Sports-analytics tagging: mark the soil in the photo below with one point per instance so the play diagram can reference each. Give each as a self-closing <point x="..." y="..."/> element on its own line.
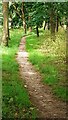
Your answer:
<point x="48" y="106"/>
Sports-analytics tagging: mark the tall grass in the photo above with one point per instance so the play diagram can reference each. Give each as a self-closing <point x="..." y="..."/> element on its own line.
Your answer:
<point x="49" y="58"/>
<point x="16" y="102"/>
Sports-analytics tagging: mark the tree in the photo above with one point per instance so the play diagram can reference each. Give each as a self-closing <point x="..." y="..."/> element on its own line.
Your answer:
<point x="5" y="24"/>
<point x="37" y="16"/>
<point x="34" y="14"/>
<point x="46" y="15"/>
<point x="17" y="14"/>
<point x="52" y="19"/>
<point x="23" y="18"/>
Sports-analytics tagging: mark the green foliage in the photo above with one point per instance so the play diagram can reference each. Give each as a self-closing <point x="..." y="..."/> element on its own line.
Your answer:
<point x="49" y="58"/>
<point x="15" y="14"/>
<point x="16" y="103"/>
<point x="38" y="12"/>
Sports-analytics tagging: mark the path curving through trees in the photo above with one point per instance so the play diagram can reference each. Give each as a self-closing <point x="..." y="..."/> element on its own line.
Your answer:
<point x="47" y="105"/>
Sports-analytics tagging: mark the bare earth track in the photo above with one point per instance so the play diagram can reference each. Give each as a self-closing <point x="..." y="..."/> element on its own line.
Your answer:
<point x="47" y="105"/>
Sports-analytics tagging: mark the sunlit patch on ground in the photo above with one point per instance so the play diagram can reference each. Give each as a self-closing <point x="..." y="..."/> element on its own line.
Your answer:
<point x="49" y="58"/>
<point x="15" y="100"/>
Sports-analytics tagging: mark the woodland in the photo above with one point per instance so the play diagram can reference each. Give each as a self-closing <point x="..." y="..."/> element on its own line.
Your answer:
<point x="33" y="60"/>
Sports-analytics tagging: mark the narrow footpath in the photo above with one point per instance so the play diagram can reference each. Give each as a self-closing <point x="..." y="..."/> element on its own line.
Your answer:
<point x="47" y="105"/>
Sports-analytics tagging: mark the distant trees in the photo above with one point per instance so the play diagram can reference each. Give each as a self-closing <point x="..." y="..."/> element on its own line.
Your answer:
<point x="37" y="16"/>
<point x="5" y="24"/>
<point x="32" y="15"/>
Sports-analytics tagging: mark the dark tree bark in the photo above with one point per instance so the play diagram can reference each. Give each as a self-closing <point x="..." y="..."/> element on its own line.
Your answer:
<point x="57" y="23"/>
<point x="52" y="22"/>
<point x="48" y="25"/>
<point x="67" y="31"/>
<point x="67" y="47"/>
<point x="5" y="24"/>
<point x="61" y="24"/>
<point x="37" y="31"/>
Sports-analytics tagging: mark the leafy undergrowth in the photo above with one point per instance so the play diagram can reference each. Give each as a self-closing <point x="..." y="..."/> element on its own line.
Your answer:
<point x="49" y="58"/>
<point x="16" y="102"/>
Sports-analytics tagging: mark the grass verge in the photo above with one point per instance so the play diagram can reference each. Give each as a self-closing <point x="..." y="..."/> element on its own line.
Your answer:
<point x="49" y="58"/>
<point x="16" y="102"/>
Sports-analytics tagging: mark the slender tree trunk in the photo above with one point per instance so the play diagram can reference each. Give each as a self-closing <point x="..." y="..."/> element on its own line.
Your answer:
<point x="30" y="26"/>
<point x="57" y="23"/>
<point x="66" y="48"/>
<point x="52" y="23"/>
<point x="45" y="25"/>
<point x="5" y="24"/>
<point x="23" y="18"/>
<point x="37" y="31"/>
<point x="30" y="29"/>
<point x="60" y="23"/>
<point x="67" y="36"/>
<point x="24" y="26"/>
<point x="11" y="20"/>
<point x="67" y="29"/>
<point x="48" y="25"/>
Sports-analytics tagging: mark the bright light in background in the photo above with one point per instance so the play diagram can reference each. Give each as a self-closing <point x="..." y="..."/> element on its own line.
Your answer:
<point x="23" y="54"/>
<point x="35" y="0"/>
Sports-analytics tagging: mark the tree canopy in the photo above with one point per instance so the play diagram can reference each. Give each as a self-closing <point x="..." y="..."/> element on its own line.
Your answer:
<point x="32" y="15"/>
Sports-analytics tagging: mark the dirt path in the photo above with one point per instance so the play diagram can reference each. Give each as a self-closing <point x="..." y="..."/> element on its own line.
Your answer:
<point x="47" y="105"/>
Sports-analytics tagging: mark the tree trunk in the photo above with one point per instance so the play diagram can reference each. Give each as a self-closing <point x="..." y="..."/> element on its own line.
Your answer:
<point x="37" y="31"/>
<point x="23" y="18"/>
<point x="24" y="25"/>
<point x="30" y="26"/>
<point x="66" y="47"/>
<point x="30" y="29"/>
<point x="45" y="25"/>
<point x="67" y="41"/>
<point x="52" y="23"/>
<point x="5" y="24"/>
<point x="48" y="25"/>
<point x="57" y="23"/>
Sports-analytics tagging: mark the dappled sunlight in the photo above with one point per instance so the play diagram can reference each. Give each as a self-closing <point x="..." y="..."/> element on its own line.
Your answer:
<point x="9" y="51"/>
<point x="15" y="96"/>
<point x="49" y="58"/>
<point x="33" y="59"/>
<point x="4" y="52"/>
<point x="0" y="52"/>
<point x="53" y="48"/>
<point x="23" y="54"/>
<point x="47" y="46"/>
<point x="30" y="73"/>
